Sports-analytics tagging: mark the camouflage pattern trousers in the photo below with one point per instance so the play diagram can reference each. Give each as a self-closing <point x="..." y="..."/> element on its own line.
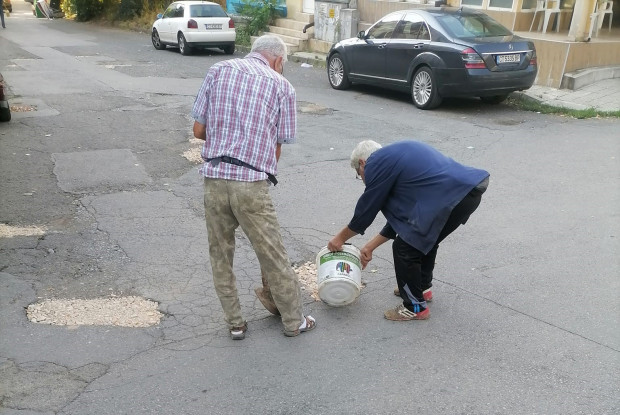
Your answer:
<point x="228" y="205"/>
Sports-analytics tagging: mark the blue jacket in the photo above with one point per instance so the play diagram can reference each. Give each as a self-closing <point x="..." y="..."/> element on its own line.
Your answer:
<point x="415" y="187"/>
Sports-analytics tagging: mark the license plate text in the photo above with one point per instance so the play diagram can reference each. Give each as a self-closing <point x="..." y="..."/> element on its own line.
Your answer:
<point x="514" y="58"/>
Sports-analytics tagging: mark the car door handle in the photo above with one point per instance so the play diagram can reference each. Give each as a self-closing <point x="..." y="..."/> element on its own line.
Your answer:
<point x="418" y="45"/>
<point x="382" y="46"/>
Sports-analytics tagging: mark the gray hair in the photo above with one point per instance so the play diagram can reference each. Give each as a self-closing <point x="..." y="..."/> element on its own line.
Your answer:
<point x="363" y="151"/>
<point x="270" y="45"/>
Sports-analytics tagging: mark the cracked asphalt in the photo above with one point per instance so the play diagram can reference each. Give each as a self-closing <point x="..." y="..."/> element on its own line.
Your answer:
<point x="526" y="309"/>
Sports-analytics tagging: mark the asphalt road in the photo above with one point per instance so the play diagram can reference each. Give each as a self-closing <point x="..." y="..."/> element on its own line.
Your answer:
<point x="526" y="310"/>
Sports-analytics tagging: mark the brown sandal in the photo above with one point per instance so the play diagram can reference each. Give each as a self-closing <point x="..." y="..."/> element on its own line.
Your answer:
<point x="266" y="301"/>
<point x="310" y="325"/>
<point x="238" y="333"/>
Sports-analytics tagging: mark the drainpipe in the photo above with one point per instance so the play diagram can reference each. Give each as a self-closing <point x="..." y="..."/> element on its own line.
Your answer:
<point x="580" y="26"/>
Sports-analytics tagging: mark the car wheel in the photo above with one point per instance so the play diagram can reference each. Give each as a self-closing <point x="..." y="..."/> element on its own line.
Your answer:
<point x="5" y="114"/>
<point x="183" y="46"/>
<point x="157" y="41"/>
<point x="229" y="50"/>
<point x="424" y="89"/>
<point x="337" y="72"/>
<point x="495" y="99"/>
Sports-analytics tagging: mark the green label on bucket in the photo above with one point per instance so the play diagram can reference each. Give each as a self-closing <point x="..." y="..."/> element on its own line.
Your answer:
<point x="340" y="256"/>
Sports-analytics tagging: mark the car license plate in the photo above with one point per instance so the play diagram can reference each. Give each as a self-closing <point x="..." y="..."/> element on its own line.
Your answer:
<point x="213" y="26"/>
<point x="514" y="58"/>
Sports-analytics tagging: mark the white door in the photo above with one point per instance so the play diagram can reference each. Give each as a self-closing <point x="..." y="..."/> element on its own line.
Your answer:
<point x="307" y="6"/>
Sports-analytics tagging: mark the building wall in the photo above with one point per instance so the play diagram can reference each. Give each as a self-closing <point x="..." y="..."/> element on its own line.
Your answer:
<point x="557" y="58"/>
<point x="372" y="10"/>
<point x="292" y="7"/>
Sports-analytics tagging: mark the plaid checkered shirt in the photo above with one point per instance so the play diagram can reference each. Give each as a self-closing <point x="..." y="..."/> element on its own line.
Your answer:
<point x="247" y="108"/>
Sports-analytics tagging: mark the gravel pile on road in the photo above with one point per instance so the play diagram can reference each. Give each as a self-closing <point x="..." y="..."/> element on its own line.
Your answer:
<point x="119" y="311"/>
<point x="7" y="231"/>
<point x="307" y="277"/>
<point x="193" y="154"/>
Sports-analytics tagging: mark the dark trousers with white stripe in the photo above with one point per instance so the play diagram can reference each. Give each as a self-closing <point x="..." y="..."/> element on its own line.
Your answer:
<point x="414" y="269"/>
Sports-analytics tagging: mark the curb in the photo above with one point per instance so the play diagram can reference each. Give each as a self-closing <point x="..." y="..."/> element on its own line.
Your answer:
<point x="312" y="58"/>
<point x="583" y="77"/>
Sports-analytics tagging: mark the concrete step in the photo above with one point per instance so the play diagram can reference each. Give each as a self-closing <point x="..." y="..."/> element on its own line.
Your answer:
<point x="291" y="40"/>
<point x="320" y="46"/>
<point x="290" y="47"/>
<point x="288" y="32"/>
<point x="303" y="17"/>
<point x="291" y="24"/>
<point x="583" y="77"/>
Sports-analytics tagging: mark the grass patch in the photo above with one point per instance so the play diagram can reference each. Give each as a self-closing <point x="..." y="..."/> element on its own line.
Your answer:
<point x="527" y="104"/>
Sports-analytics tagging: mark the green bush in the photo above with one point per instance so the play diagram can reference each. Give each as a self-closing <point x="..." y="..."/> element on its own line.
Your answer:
<point x="259" y="14"/>
<point x="131" y="9"/>
<point x="128" y="9"/>
<point x="83" y="10"/>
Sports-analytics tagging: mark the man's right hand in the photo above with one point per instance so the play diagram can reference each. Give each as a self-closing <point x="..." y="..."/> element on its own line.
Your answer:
<point x="365" y="256"/>
<point x="335" y="244"/>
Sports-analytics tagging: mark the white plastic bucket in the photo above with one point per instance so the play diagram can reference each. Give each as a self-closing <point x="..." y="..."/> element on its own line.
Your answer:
<point x="339" y="275"/>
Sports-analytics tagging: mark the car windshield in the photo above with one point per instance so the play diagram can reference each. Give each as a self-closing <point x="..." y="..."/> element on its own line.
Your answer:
<point x="206" y="10"/>
<point x="472" y="25"/>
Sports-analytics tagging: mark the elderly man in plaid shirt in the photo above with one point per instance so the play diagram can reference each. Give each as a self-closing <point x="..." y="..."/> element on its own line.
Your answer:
<point x="245" y="110"/>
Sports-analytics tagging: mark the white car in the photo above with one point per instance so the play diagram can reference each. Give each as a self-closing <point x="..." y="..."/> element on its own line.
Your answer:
<point x="194" y="24"/>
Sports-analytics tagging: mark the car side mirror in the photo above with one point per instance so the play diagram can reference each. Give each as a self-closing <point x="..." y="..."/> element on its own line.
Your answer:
<point x="361" y="35"/>
<point x="159" y="16"/>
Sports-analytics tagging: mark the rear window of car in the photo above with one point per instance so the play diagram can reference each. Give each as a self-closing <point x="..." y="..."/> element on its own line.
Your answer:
<point x="206" y="10"/>
<point x="472" y="26"/>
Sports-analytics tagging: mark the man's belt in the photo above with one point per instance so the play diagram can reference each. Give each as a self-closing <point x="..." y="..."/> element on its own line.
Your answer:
<point x="231" y="160"/>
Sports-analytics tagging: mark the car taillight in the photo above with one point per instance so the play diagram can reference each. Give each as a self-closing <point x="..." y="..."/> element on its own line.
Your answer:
<point x="472" y="59"/>
<point x="231" y="24"/>
<point x="533" y="59"/>
<point x="191" y="24"/>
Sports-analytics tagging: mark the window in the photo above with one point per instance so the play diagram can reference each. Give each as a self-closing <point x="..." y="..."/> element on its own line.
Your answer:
<point x="503" y="4"/>
<point x="179" y="11"/>
<point x="206" y="10"/>
<point x="472" y="26"/>
<point x="412" y="27"/>
<point x="384" y="28"/>
<point x="471" y="3"/>
<point x="170" y="11"/>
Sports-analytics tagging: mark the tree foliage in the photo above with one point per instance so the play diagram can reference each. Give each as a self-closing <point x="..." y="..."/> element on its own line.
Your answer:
<point x="83" y="10"/>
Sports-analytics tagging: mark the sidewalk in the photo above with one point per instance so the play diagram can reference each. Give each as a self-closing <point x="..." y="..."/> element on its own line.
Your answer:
<point x="602" y="94"/>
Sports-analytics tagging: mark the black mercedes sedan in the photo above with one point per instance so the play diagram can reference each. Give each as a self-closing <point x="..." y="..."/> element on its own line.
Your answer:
<point x="435" y="53"/>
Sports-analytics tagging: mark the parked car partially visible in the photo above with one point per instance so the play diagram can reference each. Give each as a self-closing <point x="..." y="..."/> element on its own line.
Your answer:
<point x="5" y="109"/>
<point x="436" y="53"/>
<point x="188" y="25"/>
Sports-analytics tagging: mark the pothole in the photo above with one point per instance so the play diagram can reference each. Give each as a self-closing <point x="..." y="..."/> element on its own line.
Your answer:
<point x="23" y="108"/>
<point x="7" y="231"/>
<point x="311" y="108"/>
<point x="306" y="273"/>
<point x="193" y="154"/>
<point x="508" y="122"/>
<point x="116" y="311"/>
